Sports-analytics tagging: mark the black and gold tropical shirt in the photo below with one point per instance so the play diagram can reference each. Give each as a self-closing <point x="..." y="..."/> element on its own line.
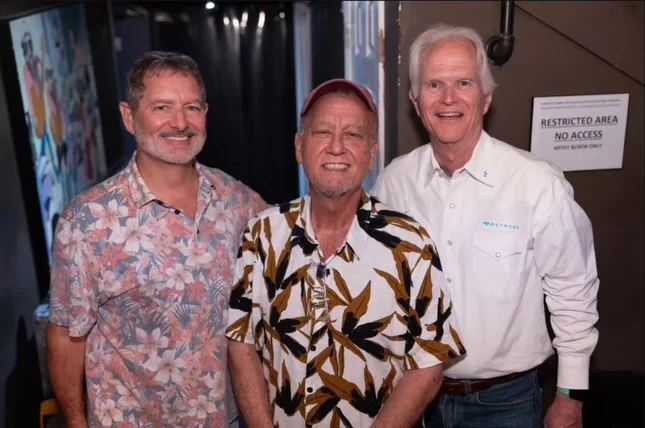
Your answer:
<point x="336" y="335"/>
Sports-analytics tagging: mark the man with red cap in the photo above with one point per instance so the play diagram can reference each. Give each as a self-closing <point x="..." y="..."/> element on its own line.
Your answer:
<point x="338" y="313"/>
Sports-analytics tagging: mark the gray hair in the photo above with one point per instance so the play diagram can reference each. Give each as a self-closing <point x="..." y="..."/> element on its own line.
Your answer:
<point x="439" y="32"/>
<point x="152" y="64"/>
<point x="346" y="93"/>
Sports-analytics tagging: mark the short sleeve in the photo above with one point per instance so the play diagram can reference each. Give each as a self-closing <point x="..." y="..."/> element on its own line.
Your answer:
<point x="74" y="284"/>
<point x="240" y="310"/>
<point x="431" y="321"/>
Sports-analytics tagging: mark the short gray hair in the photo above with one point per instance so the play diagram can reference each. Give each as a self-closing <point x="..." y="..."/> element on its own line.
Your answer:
<point x="439" y="32"/>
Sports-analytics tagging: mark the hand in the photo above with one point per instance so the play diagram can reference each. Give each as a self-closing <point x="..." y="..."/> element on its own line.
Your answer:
<point x="564" y="413"/>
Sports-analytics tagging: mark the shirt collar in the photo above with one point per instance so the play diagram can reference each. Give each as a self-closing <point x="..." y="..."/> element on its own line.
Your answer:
<point x="434" y="165"/>
<point x="207" y="182"/>
<point x="480" y="166"/>
<point x="356" y="237"/>
<point x="142" y="195"/>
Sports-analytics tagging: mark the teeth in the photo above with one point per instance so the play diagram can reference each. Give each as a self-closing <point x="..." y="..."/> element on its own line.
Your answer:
<point x="449" y="114"/>
<point x="177" y="138"/>
<point x="336" y="166"/>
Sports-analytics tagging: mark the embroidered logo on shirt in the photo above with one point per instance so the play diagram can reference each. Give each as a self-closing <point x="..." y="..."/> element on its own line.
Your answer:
<point x="485" y="174"/>
<point x="498" y="225"/>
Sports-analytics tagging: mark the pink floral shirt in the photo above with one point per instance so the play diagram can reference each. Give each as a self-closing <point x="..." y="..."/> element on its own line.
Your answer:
<point x="149" y="288"/>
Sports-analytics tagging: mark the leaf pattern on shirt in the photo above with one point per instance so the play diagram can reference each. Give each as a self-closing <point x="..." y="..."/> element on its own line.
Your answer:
<point x="335" y="359"/>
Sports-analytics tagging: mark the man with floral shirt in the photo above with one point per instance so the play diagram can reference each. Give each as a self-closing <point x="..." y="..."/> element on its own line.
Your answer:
<point x="339" y="314"/>
<point x="143" y="265"/>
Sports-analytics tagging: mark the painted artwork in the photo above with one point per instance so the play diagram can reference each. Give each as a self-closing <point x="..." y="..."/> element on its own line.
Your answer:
<point x="59" y="97"/>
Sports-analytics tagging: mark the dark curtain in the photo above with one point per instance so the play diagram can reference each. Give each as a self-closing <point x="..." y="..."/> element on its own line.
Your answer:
<point x="327" y="41"/>
<point x="245" y="53"/>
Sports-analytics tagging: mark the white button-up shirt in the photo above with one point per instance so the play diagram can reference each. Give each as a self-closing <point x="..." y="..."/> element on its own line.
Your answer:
<point x="508" y="232"/>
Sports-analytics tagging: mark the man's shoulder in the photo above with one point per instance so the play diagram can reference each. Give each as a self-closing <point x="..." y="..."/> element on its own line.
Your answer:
<point x="402" y="173"/>
<point x="113" y="187"/>
<point x="216" y="176"/>
<point x="224" y="181"/>
<point x="409" y="162"/>
<point x="397" y="222"/>
<point x="276" y="214"/>
<point x="522" y="163"/>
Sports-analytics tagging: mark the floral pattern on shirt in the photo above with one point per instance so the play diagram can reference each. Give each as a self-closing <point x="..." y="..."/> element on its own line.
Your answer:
<point x="336" y="335"/>
<point x="149" y="287"/>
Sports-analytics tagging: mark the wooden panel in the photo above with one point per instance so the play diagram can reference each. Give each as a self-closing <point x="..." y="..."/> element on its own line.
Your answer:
<point x="594" y="21"/>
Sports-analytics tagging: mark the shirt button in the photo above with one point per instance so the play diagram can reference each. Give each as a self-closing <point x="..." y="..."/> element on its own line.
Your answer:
<point x="310" y="390"/>
<point x="498" y="255"/>
<point x="450" y="243"/>
<point x="448" y="280"/>
<point x="312" y="348"/>
<point x="452" y="206"/>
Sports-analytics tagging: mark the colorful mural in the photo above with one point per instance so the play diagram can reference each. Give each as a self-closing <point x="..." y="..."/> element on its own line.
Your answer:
<point x="59" y="96"/>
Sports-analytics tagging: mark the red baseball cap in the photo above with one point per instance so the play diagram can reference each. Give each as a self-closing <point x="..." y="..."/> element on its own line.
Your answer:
<point x="334" y="85"/>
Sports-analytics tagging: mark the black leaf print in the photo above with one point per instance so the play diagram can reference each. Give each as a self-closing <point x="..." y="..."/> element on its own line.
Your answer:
<point x="299" y="239"/>
<point x="237" y="299"/>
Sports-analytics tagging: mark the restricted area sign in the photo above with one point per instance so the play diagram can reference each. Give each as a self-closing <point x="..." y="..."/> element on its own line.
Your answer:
<point x="583" y="132"/>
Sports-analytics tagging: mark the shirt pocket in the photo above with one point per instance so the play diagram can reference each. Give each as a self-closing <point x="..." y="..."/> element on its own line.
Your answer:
<point x="497" y="262"/>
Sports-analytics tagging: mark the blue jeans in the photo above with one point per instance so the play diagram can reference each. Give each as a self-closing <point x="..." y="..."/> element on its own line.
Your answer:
<point x="514" y="404"/>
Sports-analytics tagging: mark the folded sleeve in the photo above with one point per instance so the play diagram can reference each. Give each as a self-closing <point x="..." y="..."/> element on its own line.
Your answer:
<point x="240" y="312"/>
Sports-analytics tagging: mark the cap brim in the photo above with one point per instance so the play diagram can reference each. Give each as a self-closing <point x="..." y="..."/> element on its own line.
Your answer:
<point x="335" y="85"/>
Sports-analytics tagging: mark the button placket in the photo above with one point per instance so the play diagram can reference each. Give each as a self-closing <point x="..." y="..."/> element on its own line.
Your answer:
<point x="450" y="226"/>
<point x="455" y="207"/>
<point x="318" y="313"/>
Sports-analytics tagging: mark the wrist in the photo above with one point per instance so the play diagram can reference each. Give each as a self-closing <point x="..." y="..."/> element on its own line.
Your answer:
<point x="574" y="394"/>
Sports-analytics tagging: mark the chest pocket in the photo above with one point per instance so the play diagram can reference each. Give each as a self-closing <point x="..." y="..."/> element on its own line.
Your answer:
<point x="498" y="246"/>
<point x="498" y="262"/>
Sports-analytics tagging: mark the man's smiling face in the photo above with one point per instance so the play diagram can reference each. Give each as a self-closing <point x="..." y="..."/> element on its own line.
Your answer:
<point x="451" y="101"/>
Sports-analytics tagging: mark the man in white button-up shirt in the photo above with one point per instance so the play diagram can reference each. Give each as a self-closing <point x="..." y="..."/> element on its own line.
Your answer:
<point x="509" y="233"/>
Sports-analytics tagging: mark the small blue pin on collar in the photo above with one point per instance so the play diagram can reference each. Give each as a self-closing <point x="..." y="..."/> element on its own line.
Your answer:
<point x="485" y="174"/>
